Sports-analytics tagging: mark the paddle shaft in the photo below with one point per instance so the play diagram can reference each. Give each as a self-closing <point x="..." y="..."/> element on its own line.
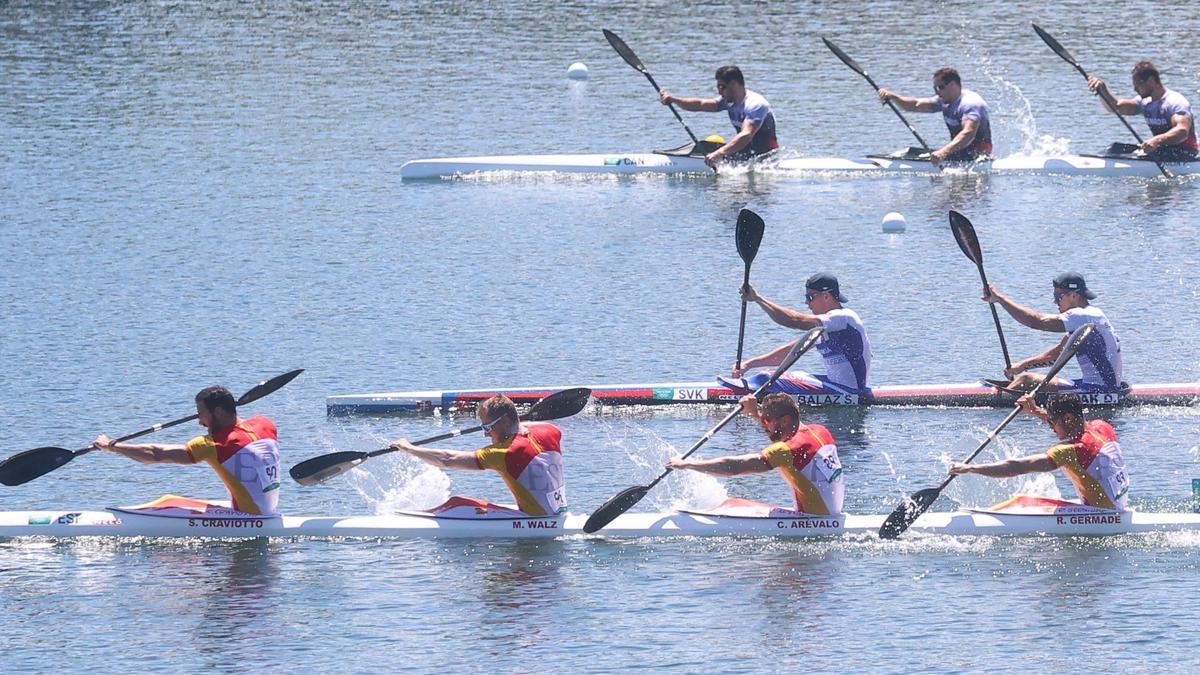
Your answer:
<point x="632" y="59"/>
<point x="995" y="432"/>
<point x="797" y="351"/>
<point x="252" y="394"/>
<point x="431" y="439"/>
<point x="704" y="439"/>
<point x="853" y="65"/>
<point x="672" y="107"/>
<point x="742" y="324"/>
<point x="995" y="318"/>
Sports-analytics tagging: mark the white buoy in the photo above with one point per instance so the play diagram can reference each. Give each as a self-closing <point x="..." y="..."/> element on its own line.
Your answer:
<point x="894" y="222"/>
<point x="577" y="71"/>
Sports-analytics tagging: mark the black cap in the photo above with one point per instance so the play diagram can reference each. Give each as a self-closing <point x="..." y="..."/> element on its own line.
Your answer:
<point x="1073" y="281"/>
<point x="824" y="281"/>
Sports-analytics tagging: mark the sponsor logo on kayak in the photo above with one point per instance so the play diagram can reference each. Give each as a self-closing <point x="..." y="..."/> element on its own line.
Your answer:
<point x="622" y="161"/>
<point x="663" y="394"/>
<point x="535" y="525"/>
<point x="40" y="520"/>
<point x="235" y="523"/>
<point x="827" y="399"/>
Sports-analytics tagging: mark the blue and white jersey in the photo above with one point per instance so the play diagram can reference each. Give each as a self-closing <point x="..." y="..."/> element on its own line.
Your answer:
<point x="1158" y="115"/>
<point x="756" y="109"/>
<point x="1099" y="357"/>
<point x="969" y="105"/>
<point x="845" y="348"/>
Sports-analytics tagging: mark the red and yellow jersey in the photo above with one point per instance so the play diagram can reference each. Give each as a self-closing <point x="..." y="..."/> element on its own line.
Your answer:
<point x="809" y="463"/>
<point x="246" y="457"/>
<point x="531" y="466"/>
<point x="1095" y="465"/>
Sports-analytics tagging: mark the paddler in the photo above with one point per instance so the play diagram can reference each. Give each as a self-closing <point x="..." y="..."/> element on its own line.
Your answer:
<point x="244" y="453"/>
<point x="1099" y="357"/>
<point x="843" y="345"/>
<point x="751" y="115"/>
<point x="1089" y="454"/>
<point x="527" y="456"/>
<point x="1167" y="112"/>
<point x="805" y="454"/>
<point x="964" y="112"/>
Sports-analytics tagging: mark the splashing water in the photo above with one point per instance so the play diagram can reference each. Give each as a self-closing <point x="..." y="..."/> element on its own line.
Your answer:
<point x="398" y="485"/>
<point x="973" y="491"/>
<point x="649" y="452"/>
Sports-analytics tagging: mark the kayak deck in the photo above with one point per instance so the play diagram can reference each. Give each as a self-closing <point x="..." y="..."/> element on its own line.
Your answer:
<point x="967" y="394"/>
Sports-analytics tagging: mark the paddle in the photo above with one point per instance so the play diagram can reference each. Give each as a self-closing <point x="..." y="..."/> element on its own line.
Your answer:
<point x="749" y="235"/>
<point x="25" y="466"/>
<point x="1066" y="56"/>
<point x="320" y="469"/>
<point x="859" y="69"/>
<point x="625" y="499"/>
<point x="964" y="234"/>
<point x="633" y="60"/>
<point x="912" y="507"/>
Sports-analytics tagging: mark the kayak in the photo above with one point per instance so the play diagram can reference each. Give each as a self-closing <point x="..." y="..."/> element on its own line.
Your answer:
<point x="462" y="517"/>
<point x="967" y="394"/>
<point x="682" y="161"/>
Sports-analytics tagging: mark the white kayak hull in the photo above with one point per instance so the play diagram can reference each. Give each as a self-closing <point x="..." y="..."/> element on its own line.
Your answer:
<point x="652" y="162"/>
<point x="422" y="525"/>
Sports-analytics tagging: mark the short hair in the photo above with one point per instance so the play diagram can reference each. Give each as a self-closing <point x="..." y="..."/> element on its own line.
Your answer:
<point x="1143" y="70"/>
<point x="947" y="74"/>
<point x="1058" y="405"/>
<point x="730" y="73"/>
<point x="498" y="406"/>
<point x="779" y="405"/>
<point x="215" y="397"/>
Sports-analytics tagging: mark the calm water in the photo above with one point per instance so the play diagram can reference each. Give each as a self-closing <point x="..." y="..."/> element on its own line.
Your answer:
<point x="198" y="193"/>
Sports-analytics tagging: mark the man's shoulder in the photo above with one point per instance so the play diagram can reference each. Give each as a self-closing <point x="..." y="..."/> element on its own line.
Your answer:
<point x="841" y="315"/>
<point x="972" y="98"/>
<point x="755" y="100"/>
<point x="1176" y="99"/>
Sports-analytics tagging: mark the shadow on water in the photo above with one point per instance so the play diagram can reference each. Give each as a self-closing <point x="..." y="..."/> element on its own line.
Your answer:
<point x="1163" y="194"/>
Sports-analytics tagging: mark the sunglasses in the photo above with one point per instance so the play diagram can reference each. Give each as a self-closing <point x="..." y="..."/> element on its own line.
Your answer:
<point x="488" y="426"/>
<point x="937" y="88"/>
<point x="810" y="296"/>
<point x="1059" y="295"/>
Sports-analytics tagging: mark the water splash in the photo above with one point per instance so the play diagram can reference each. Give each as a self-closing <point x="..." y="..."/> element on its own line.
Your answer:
<point x="649" y="452"/>
<point x="403" y="484"/>
<point x="973" y="491"/>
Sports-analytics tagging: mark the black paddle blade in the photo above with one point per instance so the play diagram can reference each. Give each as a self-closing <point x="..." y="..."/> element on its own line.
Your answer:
<point x="622" y="502"/>
<point x="25" y="466"/>
<point x="908" y="511"/>
<point x="320" y="469"/>
<point x="558" y="405"/>
<point x="750" y="229"/>
<point x="624" y="50"/>
<point x="264" y="388"/>
<point x="1054" y="45"/>
<point x="844" y="57"/>
<point x="964" y="234"/>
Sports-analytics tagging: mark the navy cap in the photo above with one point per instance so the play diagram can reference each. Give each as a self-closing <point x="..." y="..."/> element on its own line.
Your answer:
<point x="1073" y="281"/>
<point x="824" y="281"/>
